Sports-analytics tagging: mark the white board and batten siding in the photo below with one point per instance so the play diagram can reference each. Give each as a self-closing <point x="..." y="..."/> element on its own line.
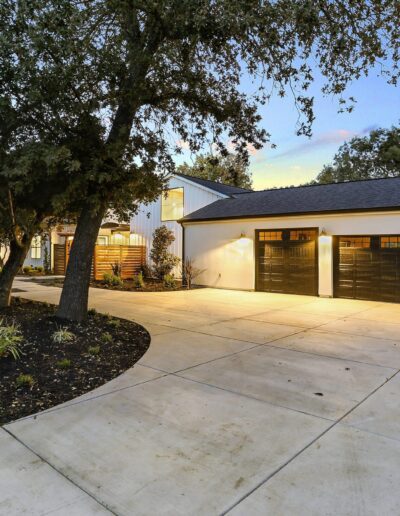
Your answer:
<point x="148" y="217"/>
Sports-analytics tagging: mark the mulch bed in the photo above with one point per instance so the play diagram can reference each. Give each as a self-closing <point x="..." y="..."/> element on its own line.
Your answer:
<point x="103" y="348"/>
<point x="151" y="285"/>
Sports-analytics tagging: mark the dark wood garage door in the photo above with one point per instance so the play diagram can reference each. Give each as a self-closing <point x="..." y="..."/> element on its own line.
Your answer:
<point x="286" y="261"/>
<point x="368" y="267"/>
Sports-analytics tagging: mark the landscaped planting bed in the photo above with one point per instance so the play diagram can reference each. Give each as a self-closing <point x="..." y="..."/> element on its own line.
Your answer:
<point x="56" y="361"/>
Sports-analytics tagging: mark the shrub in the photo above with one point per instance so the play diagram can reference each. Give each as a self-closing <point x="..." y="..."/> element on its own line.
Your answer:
<point x="39" y="268"/>
<point x="62" y="335"/>
<point x="107" y="338"/>
<point x="138" y="280"/>
<point x="25" y="380"/>
<point x="27" y="269"/>
<point x="94" y="350"/>
<point x="146" y="271"/>
<point x="190" y="272"/>
<point x="10" y="338"/>
<point x="116" y="268"/>
<point x="112" y="280"/>
<point x="163" y="261"/>
<point x="114" y="323"/>
<point x="169" y="281"/>
<point x="92" y="312"/>
<point x="64" y="363"/>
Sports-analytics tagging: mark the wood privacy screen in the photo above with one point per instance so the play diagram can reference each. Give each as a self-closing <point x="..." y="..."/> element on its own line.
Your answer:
<point x="131" y="257"/>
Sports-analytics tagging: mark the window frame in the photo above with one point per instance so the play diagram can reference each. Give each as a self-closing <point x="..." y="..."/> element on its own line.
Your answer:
<point x="36" y="248"/>
<point x="163" y="199"/>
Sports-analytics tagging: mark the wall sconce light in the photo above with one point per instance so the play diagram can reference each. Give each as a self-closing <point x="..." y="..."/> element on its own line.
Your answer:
<point x="323" y="232"/>
<point x="242" y="235"/>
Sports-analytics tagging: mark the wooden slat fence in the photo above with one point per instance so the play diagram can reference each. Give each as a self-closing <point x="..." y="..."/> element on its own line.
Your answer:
<point x="131" y="258"/>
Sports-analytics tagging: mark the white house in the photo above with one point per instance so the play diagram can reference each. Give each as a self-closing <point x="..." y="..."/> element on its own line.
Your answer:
<point x="339" y="240"/>
<point x="185" y="195"/>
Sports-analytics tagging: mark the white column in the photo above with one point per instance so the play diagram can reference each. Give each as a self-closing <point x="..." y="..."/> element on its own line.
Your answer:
<point x="325" y="266"/>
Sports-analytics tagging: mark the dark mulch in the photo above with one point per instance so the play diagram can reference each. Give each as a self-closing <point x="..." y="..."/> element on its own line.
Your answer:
<point x="124" y="344"/>
<point x="151" y="285"/>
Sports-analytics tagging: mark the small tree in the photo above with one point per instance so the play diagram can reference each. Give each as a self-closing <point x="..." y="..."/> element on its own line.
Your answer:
<point x="163" y="260"/>
<point x="190" y="272"/>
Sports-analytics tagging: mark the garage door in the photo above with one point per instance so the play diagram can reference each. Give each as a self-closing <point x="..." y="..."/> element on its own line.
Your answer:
<point x="368" y="267"/>
<point x="286" y="261"/>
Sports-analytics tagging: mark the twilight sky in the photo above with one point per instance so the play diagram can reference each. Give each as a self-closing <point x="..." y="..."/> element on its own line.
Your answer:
<point x="297" y="159"/>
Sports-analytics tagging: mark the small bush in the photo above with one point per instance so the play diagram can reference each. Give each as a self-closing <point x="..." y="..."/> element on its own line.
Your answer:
<point x="25" y="380"/>
<point x="39" y="268"/>
<point x="114" y="323"/>
<point x="27" y="269"/>
<point x="169" y="281"/>
<point x="64" y="363"/>
<point x="146" y="271"/>
<point x="62" y="335"/>
<point x="94" y="350"/>
<point x="138" y="280"/>
<point x="92" y="312"/>
<point x="112" y="280"/>
<point x="116" y="268"/>
<point x="10" y="338"/>
<point x="107" y="338"/>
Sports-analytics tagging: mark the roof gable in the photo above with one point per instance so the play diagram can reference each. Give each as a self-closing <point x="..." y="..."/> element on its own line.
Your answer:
<point x="221" y="188"/>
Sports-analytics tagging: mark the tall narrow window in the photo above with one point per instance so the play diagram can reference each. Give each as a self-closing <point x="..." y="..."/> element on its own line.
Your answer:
<point x="36" y="247"/>
<point x="172" y="204"/>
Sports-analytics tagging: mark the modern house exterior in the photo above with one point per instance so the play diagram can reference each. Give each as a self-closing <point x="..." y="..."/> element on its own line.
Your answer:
<point x="339" y="240"/>
<point x="336" y="240"/>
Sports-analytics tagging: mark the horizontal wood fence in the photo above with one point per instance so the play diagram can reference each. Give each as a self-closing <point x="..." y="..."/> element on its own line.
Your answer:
<point x="130" y="257"/>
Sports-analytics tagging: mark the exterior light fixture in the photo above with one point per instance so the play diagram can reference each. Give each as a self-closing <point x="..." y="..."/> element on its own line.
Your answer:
<point x="323" y="232"/>
<point x="242" y="235"/>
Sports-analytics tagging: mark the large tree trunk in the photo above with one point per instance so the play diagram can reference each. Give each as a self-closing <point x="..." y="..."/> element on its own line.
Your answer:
<point x="13" y="264"/>
<point x="75" y="293"/>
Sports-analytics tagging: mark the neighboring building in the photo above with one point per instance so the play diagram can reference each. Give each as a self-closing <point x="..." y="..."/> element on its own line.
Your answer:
<point x="339" y="240"/>
<point x="185" y="194"/>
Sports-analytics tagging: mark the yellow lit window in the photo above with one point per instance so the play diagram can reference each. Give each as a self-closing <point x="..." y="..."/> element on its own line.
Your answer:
<point x="302" y="234"/>
<point x="355" y="242"/>
<point x="390" y="242"/>
<point x="172" y="204"/>
<point x="270" y="235"/>
<point x="36" y="247"/>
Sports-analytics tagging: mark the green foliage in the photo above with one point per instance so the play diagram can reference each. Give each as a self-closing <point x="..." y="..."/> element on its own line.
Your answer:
<point x="25" y="380"/>
<point x="62" y="335"/>
<point x="39" y="268"/>
<point x="230" y="169"/>
<point x="146" y="271"/>
<point x="169" y="281"/>
<point x="94" y="350"/>
<point x="114" y="323"/>
<point x="10" y="339"/>
<point x="112" y="280"/>
<point x="92" y="312"/>
<point x="27" y="269"/>
<point x="64" y="363"/>
<point x="138" y="280"/>
<point x="163" y="260"/>
<point x="106" y="338"/>
<point x="374" y="156"/>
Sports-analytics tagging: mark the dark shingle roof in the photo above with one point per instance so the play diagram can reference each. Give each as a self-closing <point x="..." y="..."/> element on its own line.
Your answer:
<point x="349" y="196"/>
<point x="213" y="185"/>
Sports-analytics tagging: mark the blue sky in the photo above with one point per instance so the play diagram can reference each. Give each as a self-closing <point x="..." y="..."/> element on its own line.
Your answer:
<point x="297" y="159"/>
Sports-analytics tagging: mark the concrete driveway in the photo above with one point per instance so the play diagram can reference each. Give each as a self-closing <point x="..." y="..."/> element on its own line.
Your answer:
<point x="245" y="404"/>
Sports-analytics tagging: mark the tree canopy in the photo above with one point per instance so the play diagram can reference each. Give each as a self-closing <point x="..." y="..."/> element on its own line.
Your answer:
<point x="229" y="169"/>
<point x="122" y="80"/>
<point x="376" y="155"/>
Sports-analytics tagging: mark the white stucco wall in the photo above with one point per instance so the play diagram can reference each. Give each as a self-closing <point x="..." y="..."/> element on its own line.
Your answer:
<point x="229" y="261"/>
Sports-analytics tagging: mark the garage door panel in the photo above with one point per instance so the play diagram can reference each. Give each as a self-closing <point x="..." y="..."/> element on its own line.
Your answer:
<point x="370" y="272"/>
<point x="285" y="265"/>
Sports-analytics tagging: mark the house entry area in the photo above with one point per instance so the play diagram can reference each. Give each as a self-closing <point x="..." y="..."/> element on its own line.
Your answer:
<point x="287" y="261"/>
<point x="367" y="267"/>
